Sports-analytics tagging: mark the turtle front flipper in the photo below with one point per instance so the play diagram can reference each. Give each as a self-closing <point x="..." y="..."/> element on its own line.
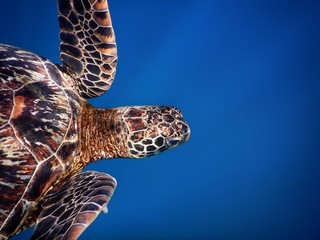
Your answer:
<point x="69" y="210"/>
<point x="87" y="44"/>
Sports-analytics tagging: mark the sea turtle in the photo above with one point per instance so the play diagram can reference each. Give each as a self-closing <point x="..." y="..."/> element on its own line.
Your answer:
<point x="49" y="132"/>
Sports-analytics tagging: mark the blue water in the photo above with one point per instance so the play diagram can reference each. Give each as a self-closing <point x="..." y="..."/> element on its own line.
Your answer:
<point x="246" y="74"/>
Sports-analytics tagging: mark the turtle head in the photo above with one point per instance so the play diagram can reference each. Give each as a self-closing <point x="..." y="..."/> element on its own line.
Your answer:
<point x="153" y="129"/>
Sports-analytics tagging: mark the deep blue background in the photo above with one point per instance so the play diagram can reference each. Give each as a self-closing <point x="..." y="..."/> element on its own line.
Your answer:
<point x="246" y="74"/>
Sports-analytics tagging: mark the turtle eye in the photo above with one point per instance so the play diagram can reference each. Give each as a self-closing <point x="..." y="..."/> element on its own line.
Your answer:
<point x="173" y="142"/>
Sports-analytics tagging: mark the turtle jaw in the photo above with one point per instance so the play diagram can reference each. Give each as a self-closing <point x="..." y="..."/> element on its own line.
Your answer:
<point x="185" y="135"/>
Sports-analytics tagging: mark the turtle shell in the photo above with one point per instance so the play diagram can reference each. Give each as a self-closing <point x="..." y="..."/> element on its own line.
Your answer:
<point x="38" y="133"/>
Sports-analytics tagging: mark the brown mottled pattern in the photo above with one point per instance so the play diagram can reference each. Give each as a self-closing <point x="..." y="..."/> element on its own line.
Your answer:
<point x="16" y="167"/>
<point x="101" y="135"/>
<point x="88" y="47"/>
<point x="6" y="103"/>
<point x="69" y="210"/>
<point x="35" y="119"/>
<point x="41" y="117"/>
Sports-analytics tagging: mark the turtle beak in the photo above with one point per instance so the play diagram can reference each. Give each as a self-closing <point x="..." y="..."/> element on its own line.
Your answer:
<point x="187" y="135"/>
<point x="174" y="142"/>
<point x="185" y="132"/>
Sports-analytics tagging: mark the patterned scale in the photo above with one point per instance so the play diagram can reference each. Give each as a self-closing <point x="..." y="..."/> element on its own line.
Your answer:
<point x="88" y="47"/>
<point x="69" y="210"/>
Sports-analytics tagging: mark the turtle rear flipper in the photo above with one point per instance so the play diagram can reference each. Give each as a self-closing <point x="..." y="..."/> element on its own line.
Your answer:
<point x="70" y="209"/>
<point x="88" y="45"/>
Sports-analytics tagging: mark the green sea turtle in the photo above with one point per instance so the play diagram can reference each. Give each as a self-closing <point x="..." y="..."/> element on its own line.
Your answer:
<point x="49" y="132"/>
